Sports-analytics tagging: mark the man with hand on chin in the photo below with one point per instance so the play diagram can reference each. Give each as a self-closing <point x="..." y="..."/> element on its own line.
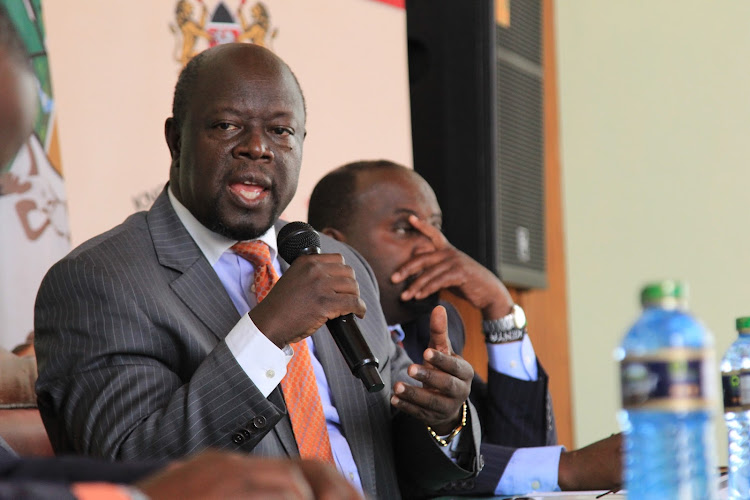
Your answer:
<point x="391" y="216"/>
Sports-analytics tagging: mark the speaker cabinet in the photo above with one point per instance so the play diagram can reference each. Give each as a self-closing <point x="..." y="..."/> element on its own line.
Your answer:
<point x="476" y="90"/>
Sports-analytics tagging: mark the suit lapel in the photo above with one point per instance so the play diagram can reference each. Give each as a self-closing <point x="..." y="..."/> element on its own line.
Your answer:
<point x="197" y="284"/>
<point x="284" y="429"/>
<point x="353" y="414"/>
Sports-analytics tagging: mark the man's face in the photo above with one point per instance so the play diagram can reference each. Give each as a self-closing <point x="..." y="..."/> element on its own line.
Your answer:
<point x="236" y="157"/>
<point x="381" y="232"/>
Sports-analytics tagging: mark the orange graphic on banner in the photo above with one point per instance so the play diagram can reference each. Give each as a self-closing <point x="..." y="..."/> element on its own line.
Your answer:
<point x="502" y="13"/>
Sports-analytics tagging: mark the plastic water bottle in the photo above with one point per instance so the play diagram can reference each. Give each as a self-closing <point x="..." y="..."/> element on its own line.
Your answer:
<point x="735" y="381"/>
<point x="667" y="374"/>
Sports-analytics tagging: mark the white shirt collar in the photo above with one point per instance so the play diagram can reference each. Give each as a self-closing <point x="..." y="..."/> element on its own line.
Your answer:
<point x="397" y="332"/>
<point x="213" y="245"/>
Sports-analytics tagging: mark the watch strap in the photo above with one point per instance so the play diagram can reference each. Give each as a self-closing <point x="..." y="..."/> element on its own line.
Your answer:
<point x="495" y="332"/>
<point x="505" y="323"/>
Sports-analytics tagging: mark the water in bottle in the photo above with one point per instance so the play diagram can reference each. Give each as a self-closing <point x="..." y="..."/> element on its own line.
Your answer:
<point x="666" y="375"/>
<point x="735" y="381"/>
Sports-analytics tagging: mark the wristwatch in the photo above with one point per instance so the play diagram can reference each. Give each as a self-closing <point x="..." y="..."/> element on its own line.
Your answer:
<point x="509" y="328"/>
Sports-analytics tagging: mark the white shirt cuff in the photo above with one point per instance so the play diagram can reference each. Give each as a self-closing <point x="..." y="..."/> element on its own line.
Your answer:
<point x="263" y="362"/>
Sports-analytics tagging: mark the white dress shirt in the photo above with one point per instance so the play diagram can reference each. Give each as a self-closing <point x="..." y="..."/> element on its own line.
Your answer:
<point x="263" y="362"/>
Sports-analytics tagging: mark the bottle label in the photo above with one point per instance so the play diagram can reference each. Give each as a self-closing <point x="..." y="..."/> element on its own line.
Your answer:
<point x="736" y="387"/>
<point x="669" y="379"/>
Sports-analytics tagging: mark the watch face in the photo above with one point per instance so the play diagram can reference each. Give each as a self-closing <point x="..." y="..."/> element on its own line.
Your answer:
<point x="519" y="317"/>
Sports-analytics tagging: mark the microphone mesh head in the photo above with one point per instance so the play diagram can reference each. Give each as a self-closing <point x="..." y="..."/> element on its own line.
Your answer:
<point x="297" y="238"/>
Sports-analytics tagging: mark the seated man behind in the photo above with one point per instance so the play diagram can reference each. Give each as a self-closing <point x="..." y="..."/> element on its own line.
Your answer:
<point x="391" y="216"/>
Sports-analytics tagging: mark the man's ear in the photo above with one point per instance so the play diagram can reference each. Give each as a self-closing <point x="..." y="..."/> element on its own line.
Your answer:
<point x="334" y="233"/>
<point x="172" y="135"/>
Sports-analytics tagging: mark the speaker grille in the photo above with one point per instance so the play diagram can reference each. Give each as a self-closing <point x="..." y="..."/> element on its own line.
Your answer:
<point x="523" y="36"/>
<point x="520" y="150"/>
<point x="477" y="129"/>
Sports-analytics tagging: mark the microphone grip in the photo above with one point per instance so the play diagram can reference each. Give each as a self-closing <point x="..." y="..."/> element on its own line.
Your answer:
<point x="356" y="352"/>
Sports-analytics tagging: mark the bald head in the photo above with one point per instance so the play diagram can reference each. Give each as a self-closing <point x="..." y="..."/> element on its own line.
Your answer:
<point x="335" y="198"/>
<point x="185" y="87"/>
<point x="236" y="139"/>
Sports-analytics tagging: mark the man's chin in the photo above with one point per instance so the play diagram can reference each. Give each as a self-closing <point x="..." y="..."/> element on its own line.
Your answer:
<point x="244" y="231"/>
<point x="240" y="234"/>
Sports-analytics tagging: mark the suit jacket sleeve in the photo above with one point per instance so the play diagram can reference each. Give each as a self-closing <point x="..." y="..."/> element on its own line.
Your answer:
<point x="35" y="490"/>
<point x="132" y="361"/>
<point x="513" y="413"/>
<point x="73" y="469"/>
<point x="42" y="478"/>
<point x="422" y="467"/>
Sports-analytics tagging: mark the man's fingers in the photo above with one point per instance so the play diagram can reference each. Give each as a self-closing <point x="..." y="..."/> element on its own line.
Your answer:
<point x="434" y="234"/>
<point x="327" y="482"/>
<point x="418" y="264"/>
<point x="443" y="274"/>
<point x="423" y="404"/>
<point x="439" y="339"/>
<point x="452" y="364"/>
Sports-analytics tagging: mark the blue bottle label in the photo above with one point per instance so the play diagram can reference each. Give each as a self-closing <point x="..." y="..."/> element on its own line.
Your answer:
<point x="736" y="388"/>
<point x="670" y="379"/>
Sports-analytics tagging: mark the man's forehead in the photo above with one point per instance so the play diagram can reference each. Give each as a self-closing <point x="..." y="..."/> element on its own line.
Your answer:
<point x="405" y="185"/>
<point x="432" y="215"/>
<point x="276" y="90"/>
<point x="243" y="61"/>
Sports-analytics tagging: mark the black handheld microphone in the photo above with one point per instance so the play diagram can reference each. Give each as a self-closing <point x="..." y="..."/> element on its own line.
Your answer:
<point x="300" y="238"/>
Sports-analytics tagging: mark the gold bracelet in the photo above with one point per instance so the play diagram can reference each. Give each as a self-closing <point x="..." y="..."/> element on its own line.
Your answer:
<point x="445" y="442"/>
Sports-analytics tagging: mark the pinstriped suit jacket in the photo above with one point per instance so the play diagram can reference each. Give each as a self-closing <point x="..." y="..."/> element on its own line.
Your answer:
<point x="130" y="330"/>
<point x="514" y="413"/>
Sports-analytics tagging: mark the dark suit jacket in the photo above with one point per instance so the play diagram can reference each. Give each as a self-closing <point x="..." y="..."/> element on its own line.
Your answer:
<point x="514" y="413"/>
<point x="51" y="477"/>
<point x="133" y="364"/>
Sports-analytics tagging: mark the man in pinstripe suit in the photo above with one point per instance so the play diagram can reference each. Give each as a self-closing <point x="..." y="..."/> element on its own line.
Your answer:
<point x="391" y="216"/>
<point x="146" y="347"/>
<point x="210" y="474"/>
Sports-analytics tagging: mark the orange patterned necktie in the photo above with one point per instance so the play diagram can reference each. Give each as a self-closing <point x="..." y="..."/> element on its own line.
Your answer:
<point x="299" y="386"/>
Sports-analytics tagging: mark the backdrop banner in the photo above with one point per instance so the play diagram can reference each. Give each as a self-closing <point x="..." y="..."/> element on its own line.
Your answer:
<point x="33" y="213"/>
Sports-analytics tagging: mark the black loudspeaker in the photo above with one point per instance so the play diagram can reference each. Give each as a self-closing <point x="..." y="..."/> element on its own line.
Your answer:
<point x="476" y="92"/>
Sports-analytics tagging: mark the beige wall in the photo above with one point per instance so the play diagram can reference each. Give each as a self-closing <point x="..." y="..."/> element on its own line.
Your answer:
<point x="655" y="137"/>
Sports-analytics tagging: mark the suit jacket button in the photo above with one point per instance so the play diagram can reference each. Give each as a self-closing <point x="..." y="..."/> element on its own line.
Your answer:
<point x="238" y="438"/>
<point x="246" y="433"/>
<point x="259" y="422"/>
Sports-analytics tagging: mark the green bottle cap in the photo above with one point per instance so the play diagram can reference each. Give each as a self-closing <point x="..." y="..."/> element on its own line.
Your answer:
<point x="743" y="324"/>
<point x="667" y="293"/>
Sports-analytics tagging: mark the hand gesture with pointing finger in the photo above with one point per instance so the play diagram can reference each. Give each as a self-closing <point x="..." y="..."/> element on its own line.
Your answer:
<point x="445" y="377"/>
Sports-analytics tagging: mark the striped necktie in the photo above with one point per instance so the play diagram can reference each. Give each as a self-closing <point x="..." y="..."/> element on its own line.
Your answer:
<point x="299" y="385"/>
